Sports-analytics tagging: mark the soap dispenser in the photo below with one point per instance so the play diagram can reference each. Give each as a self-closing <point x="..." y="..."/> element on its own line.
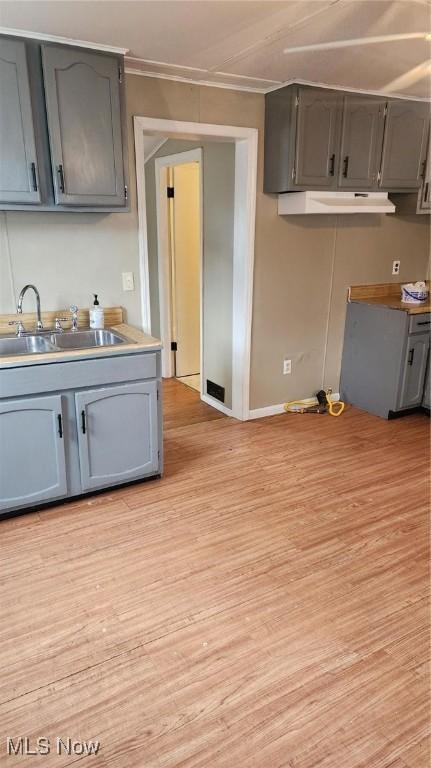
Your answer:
<point x="97" y="320"/>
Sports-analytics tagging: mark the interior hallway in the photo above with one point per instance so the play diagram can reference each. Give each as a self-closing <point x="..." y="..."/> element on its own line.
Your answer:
<point x="231" y="609"/>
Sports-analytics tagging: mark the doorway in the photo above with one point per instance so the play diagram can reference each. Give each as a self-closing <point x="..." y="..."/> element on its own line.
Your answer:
<point x="243" y="209"/>
<point x="180" y="248"/>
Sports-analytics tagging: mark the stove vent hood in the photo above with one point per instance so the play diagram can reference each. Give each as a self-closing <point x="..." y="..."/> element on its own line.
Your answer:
<point x="334" y="202"/>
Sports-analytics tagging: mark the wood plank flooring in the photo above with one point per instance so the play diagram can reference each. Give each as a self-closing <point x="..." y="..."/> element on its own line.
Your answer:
<point x="263" y="605"/>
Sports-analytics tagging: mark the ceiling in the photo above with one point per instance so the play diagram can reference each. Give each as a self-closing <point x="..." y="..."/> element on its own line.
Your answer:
<point x="242" y="43"/>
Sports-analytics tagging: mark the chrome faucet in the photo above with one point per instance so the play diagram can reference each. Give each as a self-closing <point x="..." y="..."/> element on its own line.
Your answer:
<point x="19" y="306"/>
<point x="74" y="310"/>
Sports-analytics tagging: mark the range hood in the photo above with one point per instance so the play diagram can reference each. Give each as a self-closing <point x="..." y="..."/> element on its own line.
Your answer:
<point x="334" y="202"/>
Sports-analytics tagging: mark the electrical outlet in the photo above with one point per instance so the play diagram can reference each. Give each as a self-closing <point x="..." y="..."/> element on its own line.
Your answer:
<point x="128" y="281"/>
<point x="287" y="366"/>
<point x="396" y="267"/>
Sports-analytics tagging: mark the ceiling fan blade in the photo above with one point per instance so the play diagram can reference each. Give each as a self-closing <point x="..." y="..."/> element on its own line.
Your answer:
<point x="358" y="41"/>
<point x="409" y="78"/>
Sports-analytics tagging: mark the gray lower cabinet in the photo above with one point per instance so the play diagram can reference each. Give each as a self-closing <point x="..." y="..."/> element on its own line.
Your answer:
<point x="82" y="93"/>
<point x="18" y="161"/>
<point x="361" y="141"/>
<point x="404" y="145"/>
<point x="426" y="400"/>
<point x="70" y="427"/>
<point x="317" y="135"/>
<point x="117" y="433"/>
<point x="415" y="361"/>
<point x="32" y="454"/>
<point x="385" y="356"/>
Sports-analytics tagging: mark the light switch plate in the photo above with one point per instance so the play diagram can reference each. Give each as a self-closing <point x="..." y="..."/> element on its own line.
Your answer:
<point x="287" y="367"/>
<point x="128" y="281"/>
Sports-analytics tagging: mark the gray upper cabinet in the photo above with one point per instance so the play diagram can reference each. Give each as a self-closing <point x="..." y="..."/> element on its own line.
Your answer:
<point x="361" y="142"/>
<point x="317" y="138"/>
<point x="404" y="145"/>
<point x="82" y="92"/>
<point x="31" y="437"/>
<point x="18" y="161"/>
<point x="117" y="433"/>
<point x="317" y="135"/>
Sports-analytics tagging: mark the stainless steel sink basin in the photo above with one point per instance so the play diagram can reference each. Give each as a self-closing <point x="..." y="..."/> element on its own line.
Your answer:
<point x="86" y="339"/>
<point x="25" y="345"/>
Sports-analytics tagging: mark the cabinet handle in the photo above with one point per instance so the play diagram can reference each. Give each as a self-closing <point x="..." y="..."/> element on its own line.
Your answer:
<point x="424" y="322"/>
<point x="60" y="172"/>
<point x="411" y="356"/>
<point x="426" y="192"/>
<point x="60" y="425"/>
<point x="424" y="164"/>
<point x="33" y="176"/>
<point x="346" y="166"/>
<point x="332" y="165"/>
<point x="83" y="423"/>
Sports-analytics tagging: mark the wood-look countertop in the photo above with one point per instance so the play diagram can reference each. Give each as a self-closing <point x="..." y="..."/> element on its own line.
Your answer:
<point x="386" y="295"/>
<point x="137" y="341"/>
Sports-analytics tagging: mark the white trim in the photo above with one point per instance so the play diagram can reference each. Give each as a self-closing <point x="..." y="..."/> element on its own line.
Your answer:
<point x="144" y="272"/>
<point x="192" y="81"/>
<point x="155" y="149"/>
<point x="264" y="90"/>
<point x="62" y="40"/>
<point x="245" y="210"/>
<point x="216" y="404"/>
<point x="165" y="288"/>
<point x="268" y="410"/>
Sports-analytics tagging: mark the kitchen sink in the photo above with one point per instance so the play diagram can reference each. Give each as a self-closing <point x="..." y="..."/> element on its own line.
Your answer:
<point x="86" y="339"/>
<point x="25" y="345"/>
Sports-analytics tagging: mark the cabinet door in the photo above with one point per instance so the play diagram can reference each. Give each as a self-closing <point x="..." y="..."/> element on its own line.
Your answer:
<point x="426" y="400"/>
<point x="18" y="167"/>
<point x="414" y="370"/>
<point x="32" y="464"/>
<point x="361" y="142"/>
<point x="118" y="438"/>
<point x="83" y="109"/>
<point x="317" y="132"/>
<point x="404" y="145"/>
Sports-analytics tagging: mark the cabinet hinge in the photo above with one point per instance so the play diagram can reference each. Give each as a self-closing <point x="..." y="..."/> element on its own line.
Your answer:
<point x="385" y="111"/>
<point x="126" y="193"/>
<point x="296" y="100"/>
<point x="379" y="175"/>
<point x="293" y="173"/>
<point x="120" y="75"/>
<point x="170" y="191"/>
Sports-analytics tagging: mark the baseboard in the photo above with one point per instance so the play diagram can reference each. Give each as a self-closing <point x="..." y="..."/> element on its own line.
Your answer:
<point x="274" y="410"/>
<point x="216" y="404"/>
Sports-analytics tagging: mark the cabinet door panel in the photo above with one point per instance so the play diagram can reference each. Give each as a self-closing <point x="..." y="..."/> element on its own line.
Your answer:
<point x="32" y="463"/>
<point x="317" y="130"/>
<point x="18" y="168"/>
<point x="118" y="438"/>
<point x="83" y="108"/>
<point x="414" y="370"/>
<point x="361" y="142"/>
<point x="404" y="145"/>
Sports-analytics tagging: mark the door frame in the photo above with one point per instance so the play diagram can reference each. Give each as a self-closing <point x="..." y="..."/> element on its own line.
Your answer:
<point x="246" y="140"/>
<point x="164" y="255"/>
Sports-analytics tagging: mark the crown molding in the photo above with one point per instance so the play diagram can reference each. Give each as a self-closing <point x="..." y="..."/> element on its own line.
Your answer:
<point x="62" y="40"/>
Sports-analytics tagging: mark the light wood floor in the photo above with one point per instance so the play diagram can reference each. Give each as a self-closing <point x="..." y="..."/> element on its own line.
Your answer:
<point x="264" y="605"/>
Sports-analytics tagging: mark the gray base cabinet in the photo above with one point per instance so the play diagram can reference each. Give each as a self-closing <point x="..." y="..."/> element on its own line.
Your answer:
<point x="385" y="358"/>
<point x="32" y="456"/>
<point x="117" y="433"/>
<point x="93" y="424"/>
